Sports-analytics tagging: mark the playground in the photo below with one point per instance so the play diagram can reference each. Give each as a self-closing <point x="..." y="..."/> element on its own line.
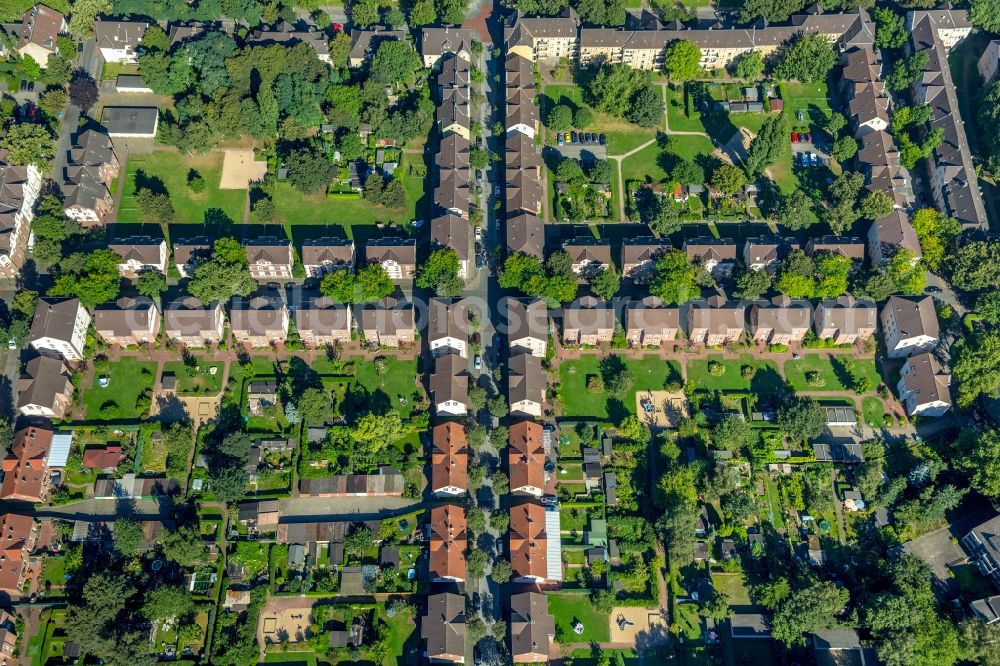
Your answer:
<point x="661" y="409"/>
<point x="629" y="623"/>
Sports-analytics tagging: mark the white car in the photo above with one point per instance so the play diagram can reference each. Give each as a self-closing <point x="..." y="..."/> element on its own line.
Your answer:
<point x="479" y="233"/>
<point x="478" y="363"/>
<point x="11" y="344"/>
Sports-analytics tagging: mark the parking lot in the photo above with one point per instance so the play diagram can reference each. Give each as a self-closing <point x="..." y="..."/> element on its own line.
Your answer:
<point x="815" y="152"/>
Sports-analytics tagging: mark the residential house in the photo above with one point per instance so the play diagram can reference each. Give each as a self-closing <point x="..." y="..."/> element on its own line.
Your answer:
<point x="91" y="167"/>
<point x="526" y="458"/>
<point x="452" y="194"/>
<point x="526" y="234"/>
<point x="25" y="471"/>
<point x="139" y="254"/>
<point x="132" y="84"/>
<point x="544" y="39"/>
<point x="182" y="32"/>
<point x="639" y="256"/>
<point x="444" y="627"/>
<point x="840" y="246"/>
<point x="524" y="190"/>
<point x="716" y="322"/>
<point x="193" y="324"/>
<point x="257" y="514"/>
<point x="590" y="256"/>
<point x="449" y="460"/>
<point x="989" y="62"/>
<point x="879" y="161"/>
<point x="891" y="234"/>
<point x="270" y="259"/>
<point x="448" y="543"/>
<point x="438" y="42"/>
<point x="522" y="113"/>
<point x="528" y="543"/>
<point x="766" y="252"/>
<point x="586" y="324"/>
<point x="8" y="639"/>
<point x="862" y="86"/>
<point x="388" y="323"/>
<point x="526" y="383"/>
<point x="520" y="72"/>
<point x="909" y="325"/>
<point x="987" y="609"/>
<point x="128" y="321"/>
<point x="364" y="43"/>
<point x="119" y="41"/>
<point x="321" y="322"/>
<point x="60" y="327"/>
<point x="18" y="541"/>
<point x="715" y="255"/>
<point x="527" y="325"/>
<point x="285" y="33"/>
<point x="844" y="320"/>
<point x="131" y="122"/>
<point x="102" y="458"/>
<point x="649" y="323"/>
<point x="188" y="252"/>
<point x="45" y="388"/>
<point x="325" y="255"/>
<point x="397" y="256"/>
<point x="982" y="546"/>
<point x="782" y="321"/>
<point x="448" y="327"/>
<point x="532" y="628"/>
<point x="40" y="26"/>
<point x="20" y="187"/>
<point x="924" y="386"/>
<point x="260" y="320"/>
<point x="449" y="386"/>
<point x="451" y="232"/>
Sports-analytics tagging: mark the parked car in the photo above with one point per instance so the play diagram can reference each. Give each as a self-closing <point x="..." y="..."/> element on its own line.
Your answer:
<point x="477" y="363"/>
<point x="603" y="139"/>
<point x="573" y="137"/>
<point x="815" y="159"/>
<point x="567" y="138"/>
<point x="479" y="233"/>
<point x="795" y="137"/>
<point x="11" y="344"/>
<point x="559" y="138"/>
<point x="809" y="137"/>
<point x="479" y="262"/>
<point x="496" y="190"/>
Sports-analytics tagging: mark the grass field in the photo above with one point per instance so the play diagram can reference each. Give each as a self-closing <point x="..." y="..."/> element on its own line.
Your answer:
<point x="650" y="374"/>
<point x="569" y="608"/>
<point x="54" y="572"/>
<point x="734" y="587"/>
<point x="398" y="381"/>
<point x="127" y="382"/>
<point x="622" y="135"/>
<point x="874" y="411"/>
<point x="766" y="378"/>
<point x="201" y="382"/>
<point x="168" y="171"/>
<point x="832" y="370"/>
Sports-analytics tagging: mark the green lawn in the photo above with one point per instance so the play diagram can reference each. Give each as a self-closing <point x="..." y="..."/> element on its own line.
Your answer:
<point x="643" y="165"/>
<point x="569" y="608"/>
<point x="622" y="135"/>
<point x="169" y="171"/>
<point x="129" y="378"/>
<point x="734" y="587"/>
<point x="774" y="504"/>
<point x="573" y="519"/>
<point x="398" y="381"/>
<point x="766" y="378"/>
<point x="154" y="456"/>
<point x="679" y="120"/>
<point x="53" y="572"/>
<point x="650" y="374"/>
<point x="197" y="379"/>
<point x="874" y="411"/>
<point x="832" y="370"/>
<point x="616" y="194"/>
<point x="688" y="621"/>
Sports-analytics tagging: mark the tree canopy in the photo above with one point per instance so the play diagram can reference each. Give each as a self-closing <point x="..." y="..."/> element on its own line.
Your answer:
<point x="675" y="281"/>
<point x="440" y="273"/>
<point x="224" y="274"/>
<point x="683" y="60"/>
<point x="806" y="58"/>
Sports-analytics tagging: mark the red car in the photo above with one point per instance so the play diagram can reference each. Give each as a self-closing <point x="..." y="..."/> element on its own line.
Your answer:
<point x="337" y="27"/>
<point x="795" y="137"/>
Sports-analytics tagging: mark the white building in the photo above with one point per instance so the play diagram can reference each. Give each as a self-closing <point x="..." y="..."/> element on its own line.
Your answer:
<point x="60" y="327"/>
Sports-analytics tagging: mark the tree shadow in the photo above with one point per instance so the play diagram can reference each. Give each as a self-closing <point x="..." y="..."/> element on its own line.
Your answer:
<point x="842" y="371"/>
<point x="766" y="380"/>
<point x="143" y="181"/>
<point x="617" y="412"/>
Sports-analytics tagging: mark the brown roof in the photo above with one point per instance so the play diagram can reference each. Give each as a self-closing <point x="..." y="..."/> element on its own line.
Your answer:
<point x="846" y="315"/>
<point x="126" y="316"/>
<point x="387" y="317"/>
<point x="767" y="249"/>
<point x="653" y="319"/>
<point x="103" y="457"/>
<point x="526" y="318"/>
<point x="454" y="108"/>
<point x="521" y="109"/>
<point x="44" y="378"/>
<point x="878" y="149"/>
<point x="710" y="249"/>
<point x="588" y="320"/>
<point x="532" y="628"/>
<point x="444" y="626"/>
<point x="40" y="25"/>
<point x="526" y="233"/>
<point x="319" y="251"/>
<point x="914" y="316"/>
<point x="895" y="231"/>
<point x="845" y="246"/>
<point x="639" y="250"/>
<point x="452" y="192"/>
<point x="25" y="466"/>
<point x="447" y="319"/>
<point x="453" y="153"/>
<point x="455" y="72"/>
<point x="15" y="533"/>
<point x="322" y="316"/>
<point x="258" y="315"/>
<point x="451" y="232"/>
<point x="449" y="380"/>
<point x="188" y="317"/>
<point x="782" y="316"/>
<point x="928" y="379"/>
<point x="438" y="41"/>
<point x="448" y="542"/>
<point x="526" y="455"/>
<point x="189" y="250"/>
<point x="521" y="152"/>
<point x="449" y="457"/>
<point x="142" y="249"/>
<point x="55" y="318"/>
<point x="276" y="251"/>
<point x="520" y="72"/>
<point x="717" y="319"/>
<point x="528" y="541"/>
<point x="323" y="531"/>
<point x="524" y="190"/>
<point x="366" y="42"/>
<point x="526" y="380"/>
<point x="591" y="250"/>
<point x="402" y="251"/>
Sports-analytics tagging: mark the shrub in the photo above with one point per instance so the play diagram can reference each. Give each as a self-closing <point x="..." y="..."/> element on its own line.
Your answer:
<point x="195" y="181"/>
<point x="110" y="410"/>
<point x="748" y="372"/>
<point x="595" y="384"/>
<point x="777" y="348"/>
<point x="716" y="369"/>
<point x="814" y="378"/>
<point x="862" y="384"/>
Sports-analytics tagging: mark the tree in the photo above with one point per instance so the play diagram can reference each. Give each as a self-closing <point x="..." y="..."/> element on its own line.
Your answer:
<point x="583" y="117"/>
<point x="937" y="233"/>
<point x="683" y="60"/>
<point x="83" y="90"/>
<point x="224" y="274"/>
<point x="832" y="274"/>
<point x="976" y="266"/>
<point x="749" y="66"/>
<point x="475" y="564"/>
<point x="93" y="278"/>
<point x="844" y="148"/>
<point x="614" y="86"/>
<point x="806" y="58"/>
<point x="768" y="145"/>
<point x="796" y="211"/>
<point x="835" y="123"/>
<point x="422" y="13"/>
<point x="53" y="102"/>
<point x="770" y="10"/>
<point x="806" y="611"/>
<point x="674" y="529"/>
<point x="737" y="506"/>
<point x="497" y="406"/>
<point x="28" y="143"/>
<point x="751" y="284"/>
<point x="365" y="13"/>
<point x="801" y="417"/>
<point x="440" y="273"/>
<point x="733" y="433"/>
<point x="605" y="283"/>
<point x="977" y="366"/>
<point x="378" y="431"/>
<point x="151" y="283"/>
<point x="906" y="71"/>
<point x="647" y="107"/>
<point x="359" y="541"/>
<point x="309" y="170"/>
<point x="559" y="118"/>
<point x="600" y="172"/>
<point x="674" y="281"/>
<point x="988" y="307"/>
<point x="184" y="546"/>
<point x="907" y="272"/>
<point x="128" y="536"/>
<point x="81" y="20"/>
<point x="890" y="32"/>
<point x="164" y="603"/>
<point x="315" y="406"/>
<point x="451" y="12"/>
<point x="979" y="455"/>
<point x="155" y="205"/>
<point x="985" y="15"/>
<point x="570" y="171"/>
<point x="394" y="62"/>
<point x="729" y="179"/>
<point x="373" y="284"/>
<point x="501" y="571"/>
<point x="797" y="275"/>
